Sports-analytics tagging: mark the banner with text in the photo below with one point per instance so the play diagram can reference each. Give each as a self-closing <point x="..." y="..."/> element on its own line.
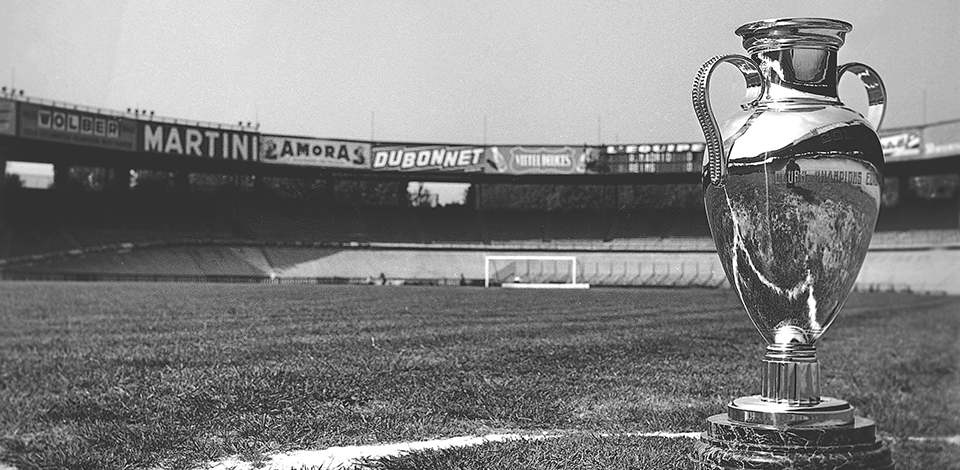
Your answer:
<point x="903" y="145"/>
<point x="178" y="139"/>
<point x="653" y="158"/>
<point x="301" y="151"/>
<point x="543" y="160"/>
<point x="444" y="158"/>
<point x="941" y="140"/>
<point x="54" y="124"/>
<point x="8" y="117"/>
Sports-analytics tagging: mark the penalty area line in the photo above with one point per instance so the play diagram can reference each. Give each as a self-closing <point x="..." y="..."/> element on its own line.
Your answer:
<point x="347" y="457"/>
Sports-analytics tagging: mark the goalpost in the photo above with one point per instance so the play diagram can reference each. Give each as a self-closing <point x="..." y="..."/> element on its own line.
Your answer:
<point x="531" y="272"/>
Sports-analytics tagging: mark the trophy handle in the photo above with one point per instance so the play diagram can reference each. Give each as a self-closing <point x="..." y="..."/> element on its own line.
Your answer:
<point x="717" y="163"/>
<point x="876" y="93"/>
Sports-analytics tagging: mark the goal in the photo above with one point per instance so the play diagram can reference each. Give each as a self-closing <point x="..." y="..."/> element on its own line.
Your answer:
<point x="532" y="272"/>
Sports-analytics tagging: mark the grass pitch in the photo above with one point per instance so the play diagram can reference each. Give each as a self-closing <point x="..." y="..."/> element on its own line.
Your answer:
<point x="175" y="375"/>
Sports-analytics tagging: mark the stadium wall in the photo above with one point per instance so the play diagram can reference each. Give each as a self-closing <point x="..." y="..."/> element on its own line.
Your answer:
<point x="922" y="269"/>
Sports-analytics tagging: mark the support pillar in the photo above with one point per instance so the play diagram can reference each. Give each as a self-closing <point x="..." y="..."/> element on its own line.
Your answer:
<point x="61" y="176"/>
<point x="3" y="190"/>
<point x="610" y="207"/>
<point x="330" y="192"/>
<point x="403" y="198"/>
<point x="904" y="195"/>
<point x="181" y="180"/>
<point x="120" y="179"/>
<point x="474" y="198"/>
<point x="475" y="201"/>
<point x="957" y="205"/>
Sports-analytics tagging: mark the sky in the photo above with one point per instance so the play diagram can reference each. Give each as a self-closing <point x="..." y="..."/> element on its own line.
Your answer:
<point x="496" y="72"/>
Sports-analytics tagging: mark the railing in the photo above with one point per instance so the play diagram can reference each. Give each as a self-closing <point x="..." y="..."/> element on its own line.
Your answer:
<point x="655" y="274"/>
<point x="893" y="288"/>
<point x="688" y="276"/>
<point x="141" y="116"/>
<point x="918" y="239"/>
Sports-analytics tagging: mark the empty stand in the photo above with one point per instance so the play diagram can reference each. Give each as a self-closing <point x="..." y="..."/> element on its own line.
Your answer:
<point x="38" y="221"/>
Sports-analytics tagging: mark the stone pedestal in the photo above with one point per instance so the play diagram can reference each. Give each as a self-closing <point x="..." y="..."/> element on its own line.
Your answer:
<point x="733" y="445"/>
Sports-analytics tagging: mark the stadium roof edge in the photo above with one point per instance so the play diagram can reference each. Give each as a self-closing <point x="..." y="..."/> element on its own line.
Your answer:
<point x="918" y="126"/>
<point x="224" y="125"/>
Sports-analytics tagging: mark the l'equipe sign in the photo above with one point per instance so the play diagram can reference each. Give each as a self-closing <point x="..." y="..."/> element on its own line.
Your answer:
<point x="653" y="158"/>
<point x="941" y="140"/>
<point x="902" y="145"/>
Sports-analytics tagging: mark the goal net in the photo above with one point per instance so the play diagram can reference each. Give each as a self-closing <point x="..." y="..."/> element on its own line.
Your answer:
<point x="532" y="272"/>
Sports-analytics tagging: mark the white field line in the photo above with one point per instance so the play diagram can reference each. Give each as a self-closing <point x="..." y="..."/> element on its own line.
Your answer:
<point x="345" y="458"/>
<point x="955" y="440"/>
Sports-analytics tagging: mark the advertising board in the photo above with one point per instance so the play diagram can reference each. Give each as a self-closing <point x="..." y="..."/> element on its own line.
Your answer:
<point x="542" y="160"/>
<point x="55" y="124"/>
<point x="300" y="151"/>
<point x="8" y="117"/>
<point x="464" y="159"/>
<point x="941" y="140"/>
<point x="179" y="139"/>
<point x="903" y="145"/>
<point x="653" y="158"/>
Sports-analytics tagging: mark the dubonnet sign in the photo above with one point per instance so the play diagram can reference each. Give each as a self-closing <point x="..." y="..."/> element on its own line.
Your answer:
<point x="428" y="158"/>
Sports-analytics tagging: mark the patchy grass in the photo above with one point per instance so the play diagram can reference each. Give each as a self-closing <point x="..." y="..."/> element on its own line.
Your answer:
<point x="589" y="452"/>
<point x="141" y="375"/>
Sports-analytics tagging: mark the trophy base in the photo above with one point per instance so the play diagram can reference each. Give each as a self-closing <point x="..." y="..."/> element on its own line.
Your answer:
<point x="755" y="410"/>
<point x="729" y="444"/>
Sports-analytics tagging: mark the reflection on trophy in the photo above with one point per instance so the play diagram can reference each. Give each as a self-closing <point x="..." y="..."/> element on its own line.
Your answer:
<point x="792" y="192"/>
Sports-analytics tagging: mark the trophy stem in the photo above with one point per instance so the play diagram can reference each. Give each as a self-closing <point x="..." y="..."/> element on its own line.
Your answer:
<point x="790" y="392"/>
<point x="791" y="375"/>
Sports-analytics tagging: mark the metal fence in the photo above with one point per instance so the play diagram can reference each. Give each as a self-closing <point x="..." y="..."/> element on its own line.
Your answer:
<point x="656" y="274"/>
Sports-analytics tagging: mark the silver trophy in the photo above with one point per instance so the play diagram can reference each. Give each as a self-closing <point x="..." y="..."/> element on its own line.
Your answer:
<point x="792" y="191"/>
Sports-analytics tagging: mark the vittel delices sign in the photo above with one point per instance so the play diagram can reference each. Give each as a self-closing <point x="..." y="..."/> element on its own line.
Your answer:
<point x="541" y="160"/>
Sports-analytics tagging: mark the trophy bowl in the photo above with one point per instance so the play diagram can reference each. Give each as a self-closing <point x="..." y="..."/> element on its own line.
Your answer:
<point x="792" y="190"/>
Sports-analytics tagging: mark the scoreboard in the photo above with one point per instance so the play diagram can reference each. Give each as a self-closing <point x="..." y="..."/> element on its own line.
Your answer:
<point x="653" y="158"/>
